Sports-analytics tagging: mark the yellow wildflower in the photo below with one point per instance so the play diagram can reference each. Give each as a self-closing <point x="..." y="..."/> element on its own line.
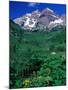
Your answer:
<point x="26" y="83"/>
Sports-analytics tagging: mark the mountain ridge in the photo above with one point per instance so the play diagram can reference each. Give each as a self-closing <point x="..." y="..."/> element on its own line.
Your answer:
<point x="44" y="19"/>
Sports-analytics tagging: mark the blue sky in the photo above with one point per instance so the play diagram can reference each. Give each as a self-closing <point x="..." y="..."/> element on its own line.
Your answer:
<point x="17" y="9"/>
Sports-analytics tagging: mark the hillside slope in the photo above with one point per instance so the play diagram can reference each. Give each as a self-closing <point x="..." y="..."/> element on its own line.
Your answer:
<point x="37" y="59"/>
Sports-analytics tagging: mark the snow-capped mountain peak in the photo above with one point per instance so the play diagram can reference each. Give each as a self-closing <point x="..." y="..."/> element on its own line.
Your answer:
<point x="46" y="18"/>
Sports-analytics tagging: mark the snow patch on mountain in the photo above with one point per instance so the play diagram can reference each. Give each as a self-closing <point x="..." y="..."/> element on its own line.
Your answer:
<point x="58" y="21"/>
<point x="30" y="23"/>
<point x="48" y="9"/>
<point x="55" y="23"/>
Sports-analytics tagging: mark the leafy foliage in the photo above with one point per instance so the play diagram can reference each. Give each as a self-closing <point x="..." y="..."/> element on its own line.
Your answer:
<point x="37" y="59"/>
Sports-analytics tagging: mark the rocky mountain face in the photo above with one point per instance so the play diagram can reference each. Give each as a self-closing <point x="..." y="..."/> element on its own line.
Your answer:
<point x="40" y="20"/>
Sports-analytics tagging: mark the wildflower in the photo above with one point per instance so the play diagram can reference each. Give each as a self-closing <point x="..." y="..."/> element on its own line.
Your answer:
<point x="26" y="83"/>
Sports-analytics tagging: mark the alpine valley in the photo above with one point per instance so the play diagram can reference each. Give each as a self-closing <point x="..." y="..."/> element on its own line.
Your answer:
<point x="38" y="50"/>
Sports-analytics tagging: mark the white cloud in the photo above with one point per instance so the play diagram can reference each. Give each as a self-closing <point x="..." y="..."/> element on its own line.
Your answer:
<point x="32" y="4"/>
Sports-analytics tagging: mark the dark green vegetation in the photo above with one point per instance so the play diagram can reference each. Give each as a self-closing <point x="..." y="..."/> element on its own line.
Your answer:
<point x="37" y="59"/>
